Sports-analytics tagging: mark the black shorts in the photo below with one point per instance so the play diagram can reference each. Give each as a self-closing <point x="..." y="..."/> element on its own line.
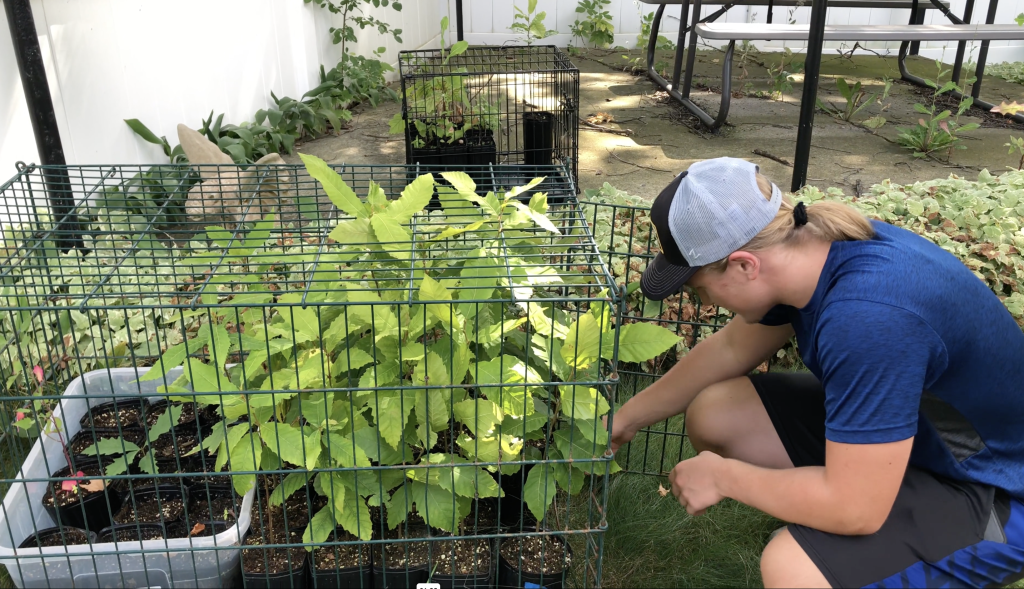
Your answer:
<point x="940" y="532"/>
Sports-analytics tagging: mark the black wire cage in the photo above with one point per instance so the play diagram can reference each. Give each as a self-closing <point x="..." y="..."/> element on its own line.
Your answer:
<point x="628" y="242"/>
<point x="506" y="105"/>
<point x="287" y="376"/>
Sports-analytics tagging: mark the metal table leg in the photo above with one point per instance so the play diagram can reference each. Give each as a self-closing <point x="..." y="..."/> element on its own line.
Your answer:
<point x="811" y="66"/>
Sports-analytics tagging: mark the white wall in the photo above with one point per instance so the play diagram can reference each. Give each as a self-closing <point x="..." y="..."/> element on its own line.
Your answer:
<point x="166" y="63"/>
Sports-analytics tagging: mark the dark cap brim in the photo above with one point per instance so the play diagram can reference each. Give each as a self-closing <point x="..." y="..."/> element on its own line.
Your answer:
<point x="663" y="279"/>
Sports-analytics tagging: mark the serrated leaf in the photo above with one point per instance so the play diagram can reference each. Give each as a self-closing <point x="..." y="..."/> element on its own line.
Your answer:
<point x="350" y="359"/>
<point x="435" y="505"/>
<point x="479" y="415"/>
<point x="345" y="451"/>
<point x="305" y="321"/>
<point x="639" y="342"/>
<point x="320" y="527"/>
<point x="172" y="358"/>
<point x="340" y="194"/>
<point x="460" y="181"/>
<point x="583" y="342"/>
<point x="577" y="447"/>
<point x="584" y="402"/>
<point x="414" y="198"/>
<point x="207" y="379"/>
<point x="354" y="232"/>
<point x="110" y="447"/>
<point x="288" y="486"/>
<point x="390" y="412"/>
<point x="453" y="231"/>
<point x="539" y="490"/>
<point x="245" y="455"/>
<point x="354" y="517"/>
<point x="286" y="441"/>
<point x="393" y="238"/>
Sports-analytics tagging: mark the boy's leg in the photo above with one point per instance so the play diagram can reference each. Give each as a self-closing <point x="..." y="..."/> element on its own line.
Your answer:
<point x="939" y="533"/>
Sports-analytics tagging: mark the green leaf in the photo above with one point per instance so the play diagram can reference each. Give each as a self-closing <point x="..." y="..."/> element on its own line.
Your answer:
<point x="577" y="447"/>
<point x="460" y="181"/>
<point x="390" y="412"/>
<point x="345" y="451"/>
<point x="479" y="415"/>
<point x="304" y="321"/>
<point x="110" y="447"/>
<point x="458" y="49"/>
<point x="539" y="490"/>
<point x="165" y="422"/>
<point x="320" y="527"/>
<point x="286" y="441"/>
<point x="435" y="505"/>
<point x="207" y="379"/>
<point x="585" y="402"/>
<point x="355" y="517"/>
<point x="393" y="238"/>
<point x="340" y="194"/>
<point x="583" y="342"/>
<point x="220" y="343"/>
<point x="144" y="132"/>
<point x="639" y="342"/>
<point x="245" y="455"/>
<point x="540" y="219"/>
<point x="349" y="359"/>
<point x="288" y="486"/>
<point x="453" y="231"/>
<point x="354" y="232"/>
<point x="414" y="198"/>
<point x="170" y="359"/>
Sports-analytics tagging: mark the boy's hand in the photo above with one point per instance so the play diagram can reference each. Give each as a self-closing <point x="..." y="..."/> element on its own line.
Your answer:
<point x="695" y="482"/>
<point x="620" y="433"/>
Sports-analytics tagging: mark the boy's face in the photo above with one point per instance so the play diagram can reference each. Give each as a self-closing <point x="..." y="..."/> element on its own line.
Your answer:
<point x="740" y="288"/>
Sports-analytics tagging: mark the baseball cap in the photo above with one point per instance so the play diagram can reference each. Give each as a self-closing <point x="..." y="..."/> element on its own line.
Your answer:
<point x="708" y="212"/>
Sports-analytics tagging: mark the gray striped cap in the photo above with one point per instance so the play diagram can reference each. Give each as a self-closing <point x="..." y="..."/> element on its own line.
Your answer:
<point x="706" y="213"/>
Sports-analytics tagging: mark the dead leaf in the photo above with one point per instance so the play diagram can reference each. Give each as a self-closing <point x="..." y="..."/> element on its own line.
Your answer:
<point x="662" y="490"/>
<point x="1008" y="108"/>
<point x="199" y="527"/>
<point x="94" y="486"/>
<point x="599" y="118"/>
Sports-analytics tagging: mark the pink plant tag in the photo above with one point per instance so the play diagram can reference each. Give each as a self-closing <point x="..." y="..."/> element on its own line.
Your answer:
<point x="19" y="415"/>
<point x="70" y="484"/>
<point x="38" y="371"/>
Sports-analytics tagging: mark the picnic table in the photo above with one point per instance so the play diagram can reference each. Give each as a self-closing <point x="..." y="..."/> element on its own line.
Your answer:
<point x="815" y="33"/>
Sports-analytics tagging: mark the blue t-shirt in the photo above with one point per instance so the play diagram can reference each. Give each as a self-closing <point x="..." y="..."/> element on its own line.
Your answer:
<point x="908" y="342"/>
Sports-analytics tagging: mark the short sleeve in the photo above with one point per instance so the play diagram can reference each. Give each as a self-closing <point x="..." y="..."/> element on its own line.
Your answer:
<point x="875" y="362"/>
<point x="778" y="315"/>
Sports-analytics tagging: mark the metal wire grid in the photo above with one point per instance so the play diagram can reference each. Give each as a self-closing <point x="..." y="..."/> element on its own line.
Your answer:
<point x="156" y="278"/>
<point x="627" y="242"/>
<point x="495" y="89"/>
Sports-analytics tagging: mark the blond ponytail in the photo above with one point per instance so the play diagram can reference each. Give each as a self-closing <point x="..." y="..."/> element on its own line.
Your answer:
<point x="826" y="221"/>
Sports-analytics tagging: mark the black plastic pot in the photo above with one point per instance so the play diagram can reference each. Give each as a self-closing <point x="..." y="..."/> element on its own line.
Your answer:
<point x="384" y="577"/>
<point x="197" y="493"/>
<point x="388" y="578"/>
<point x="538" y="138"/>
<point x="480" y="147"/>
<point x="203" y="415"/>
<point x="482" y="579"/>
<point x="87" y="437"/>
<point x="141" y="404"/>
<point x="129" y="532"/>
<point x="90" y="512"/>
<point x="510" y="575"/>
<point x="175" y="527"/>
<point x="30" y="542"/>
<point x="357" y="577"/>
<point x="293" y="579"/>
<point x="514" y="513"/>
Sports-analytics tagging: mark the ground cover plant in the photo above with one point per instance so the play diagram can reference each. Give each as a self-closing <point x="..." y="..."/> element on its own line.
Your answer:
<point x="595" y="26"/>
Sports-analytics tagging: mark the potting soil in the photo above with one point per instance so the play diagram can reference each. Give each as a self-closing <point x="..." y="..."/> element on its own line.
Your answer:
<point x="341" y="557"/>
<point x="536" y="554"/>
<point x="148" y="509"/>
<point x="471" y="557"/>
<point x="57" y="497"/>
<point x="278" y="560"/>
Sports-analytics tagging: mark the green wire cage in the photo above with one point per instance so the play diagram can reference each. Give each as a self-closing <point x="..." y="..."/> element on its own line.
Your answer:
<point x="291" y="376"/>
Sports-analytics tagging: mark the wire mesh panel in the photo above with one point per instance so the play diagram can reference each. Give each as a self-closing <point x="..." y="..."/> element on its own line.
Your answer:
<point x="506" y="105"/>
<point x="303" y="376"/>
<point x="628" y="242"/>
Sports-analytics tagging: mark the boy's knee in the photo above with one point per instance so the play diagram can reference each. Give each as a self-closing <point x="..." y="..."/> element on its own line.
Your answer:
<point x="785" y="564"/>
<point x="709" y="423"/>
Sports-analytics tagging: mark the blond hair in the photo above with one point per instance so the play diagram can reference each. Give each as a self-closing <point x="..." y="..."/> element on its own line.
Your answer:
<point x="826" y="221"/>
